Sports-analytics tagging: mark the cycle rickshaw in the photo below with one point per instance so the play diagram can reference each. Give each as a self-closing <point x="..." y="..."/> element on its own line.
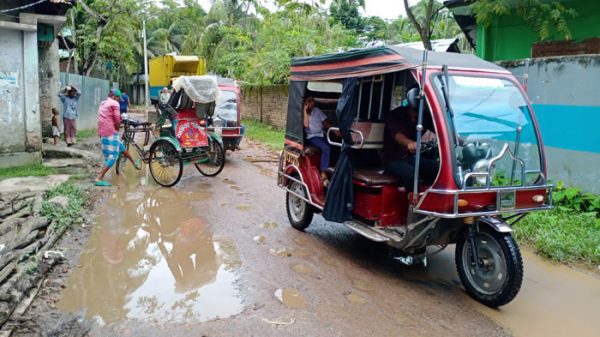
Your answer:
<point x="184" y="136"/>
<point x="492" y="169"/>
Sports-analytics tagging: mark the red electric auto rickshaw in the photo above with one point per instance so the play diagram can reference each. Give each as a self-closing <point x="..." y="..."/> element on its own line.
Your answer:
<point x="486" y="143"/>
<point x="228" y="114"/>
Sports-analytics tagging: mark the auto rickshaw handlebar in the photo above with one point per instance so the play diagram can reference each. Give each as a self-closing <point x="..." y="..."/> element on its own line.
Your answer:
<point x="355" y="146"/>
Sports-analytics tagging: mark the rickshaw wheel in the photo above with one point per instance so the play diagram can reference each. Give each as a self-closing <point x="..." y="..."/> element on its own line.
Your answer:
<point x="166" y="165"/>
<point x="299" y="212"/>
<point x="121" y="162"/>
<point x="498" y="280"/>
<point x="216" y="160"/>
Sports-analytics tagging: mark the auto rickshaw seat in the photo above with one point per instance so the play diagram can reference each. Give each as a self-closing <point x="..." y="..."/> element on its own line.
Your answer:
<point x="371" y="177"/>
<point x="310" y="150"/>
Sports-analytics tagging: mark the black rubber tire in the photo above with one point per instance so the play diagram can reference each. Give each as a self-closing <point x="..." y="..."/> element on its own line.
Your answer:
<point x="299" y="212"/>
<point x="173" y="160"/>
<point x="217" y="163"/>
<point x="513" y="265"/>
<point x="121" y="162"/>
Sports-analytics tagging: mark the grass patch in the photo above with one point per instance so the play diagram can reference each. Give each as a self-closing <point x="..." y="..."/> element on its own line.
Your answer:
<point x="86" y="133"/>
<point x="36" y="170"/>
<point x="69" y="215"/>
<point x="269" y="135"/>
<point x="562" y="236"/>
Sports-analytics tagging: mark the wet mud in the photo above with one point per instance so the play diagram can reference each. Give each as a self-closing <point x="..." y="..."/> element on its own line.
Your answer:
<point x="554" y="300"/>
<point x="184" y="262"/>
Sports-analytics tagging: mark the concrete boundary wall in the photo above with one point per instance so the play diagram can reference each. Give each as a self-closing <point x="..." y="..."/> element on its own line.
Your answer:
<point x="266" y="104"/>
<point x="565" y="95"/>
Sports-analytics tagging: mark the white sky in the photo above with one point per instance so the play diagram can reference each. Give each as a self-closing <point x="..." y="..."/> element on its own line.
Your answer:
<point x="385" y="9"/>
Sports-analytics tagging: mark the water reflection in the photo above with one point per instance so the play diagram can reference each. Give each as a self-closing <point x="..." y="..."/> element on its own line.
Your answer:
<point x="152" y="257"/>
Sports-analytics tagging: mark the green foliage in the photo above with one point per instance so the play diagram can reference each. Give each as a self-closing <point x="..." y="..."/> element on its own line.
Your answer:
<point x="345" y="12"/>
<point x="34" y="170"/>
<point x="271" y="136"/>
<point x="548" y="19"/>
<point x="72" y="213"/>
<point x="574" y="199"/>
<point x="563" y="236"/>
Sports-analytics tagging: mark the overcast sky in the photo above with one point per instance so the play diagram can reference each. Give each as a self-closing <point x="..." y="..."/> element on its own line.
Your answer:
<point x="386" y="9"/>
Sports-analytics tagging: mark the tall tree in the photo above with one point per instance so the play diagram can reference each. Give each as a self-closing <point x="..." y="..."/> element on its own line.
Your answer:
<point x="346" y="13"/>
<point x="421" y="16"/>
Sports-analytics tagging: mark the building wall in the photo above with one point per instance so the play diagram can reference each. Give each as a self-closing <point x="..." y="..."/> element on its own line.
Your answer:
<point x="565" y="96"/>
<point x="266" y="104"/>
<point x="509" y="38"/>
<point x="20" y="134"/>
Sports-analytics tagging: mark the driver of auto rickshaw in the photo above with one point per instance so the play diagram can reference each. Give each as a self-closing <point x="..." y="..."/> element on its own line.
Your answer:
<point x="399" y="142"/>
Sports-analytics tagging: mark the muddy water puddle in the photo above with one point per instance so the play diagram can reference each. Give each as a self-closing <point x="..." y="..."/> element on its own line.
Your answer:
<point x="152" y="257"/>
<point x="554" y="300"/>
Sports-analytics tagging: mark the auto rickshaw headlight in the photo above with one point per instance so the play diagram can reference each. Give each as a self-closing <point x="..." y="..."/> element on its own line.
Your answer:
<point x="218" y="125"/>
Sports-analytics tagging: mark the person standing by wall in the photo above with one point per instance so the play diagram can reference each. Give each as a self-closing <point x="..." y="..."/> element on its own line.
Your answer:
<point x="69" y="97"/>
<point x="124" y="103"/>
<point x="109" y="122"/>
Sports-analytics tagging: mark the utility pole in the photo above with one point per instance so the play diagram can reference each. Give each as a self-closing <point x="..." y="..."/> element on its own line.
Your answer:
<point x="147" y="94"/>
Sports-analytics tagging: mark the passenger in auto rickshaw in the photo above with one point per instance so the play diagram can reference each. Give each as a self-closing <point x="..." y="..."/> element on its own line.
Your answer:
<point x="315" y="124"/>
<point x="399" y="143"/>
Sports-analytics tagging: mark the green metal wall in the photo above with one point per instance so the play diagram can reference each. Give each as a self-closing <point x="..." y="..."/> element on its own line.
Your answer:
<point x="509" y="38"/>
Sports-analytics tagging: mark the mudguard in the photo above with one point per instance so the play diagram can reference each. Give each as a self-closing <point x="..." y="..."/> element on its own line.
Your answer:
<point x="172" y="141"/>
<point x="215" y="136"/>
<point x="496" y="224"/>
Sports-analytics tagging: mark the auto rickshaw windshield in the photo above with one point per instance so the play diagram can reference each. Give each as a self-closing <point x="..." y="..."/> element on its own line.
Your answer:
<point x="494" y="135"/>
<point x="227" y="107"/>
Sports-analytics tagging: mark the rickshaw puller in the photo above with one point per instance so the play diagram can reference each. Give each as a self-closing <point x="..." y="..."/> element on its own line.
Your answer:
<point x="399" y="145"/>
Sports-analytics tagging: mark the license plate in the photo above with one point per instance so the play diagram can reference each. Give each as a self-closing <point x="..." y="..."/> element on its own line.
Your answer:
<point x="506" y="200"/>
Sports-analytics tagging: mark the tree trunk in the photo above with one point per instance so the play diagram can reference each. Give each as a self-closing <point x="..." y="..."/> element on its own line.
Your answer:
<point x="424" y="28"/>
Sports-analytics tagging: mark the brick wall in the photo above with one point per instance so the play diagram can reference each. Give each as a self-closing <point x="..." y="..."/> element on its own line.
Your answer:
<point x="266" y="104"/>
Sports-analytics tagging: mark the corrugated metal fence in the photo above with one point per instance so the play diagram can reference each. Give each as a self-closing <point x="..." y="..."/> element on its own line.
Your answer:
<point x="93" y="91"/>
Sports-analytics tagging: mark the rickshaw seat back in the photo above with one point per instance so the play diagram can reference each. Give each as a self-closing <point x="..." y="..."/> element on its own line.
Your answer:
<point x="372" y="133"/>
<point x="189" y="131"/>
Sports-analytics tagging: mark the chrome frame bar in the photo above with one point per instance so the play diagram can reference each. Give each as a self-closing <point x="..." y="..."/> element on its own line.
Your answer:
<point x="362" y="138"/>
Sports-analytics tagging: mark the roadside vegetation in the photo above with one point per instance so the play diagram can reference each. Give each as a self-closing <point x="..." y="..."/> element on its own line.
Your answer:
<point x="269" y="135"/>
<point x="72" y="213"/>
<point x="568" y="234"/>
<point x="37" y="170"/>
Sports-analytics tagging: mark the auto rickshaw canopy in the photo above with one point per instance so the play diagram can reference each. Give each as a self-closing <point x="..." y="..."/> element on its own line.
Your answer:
<point x="379" y="60"/>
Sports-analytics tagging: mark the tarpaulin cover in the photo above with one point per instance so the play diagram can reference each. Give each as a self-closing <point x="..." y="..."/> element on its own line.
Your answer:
<point x="294" y="131"/>
<point x="201" y="89"/>
<point x="339" y="200"/>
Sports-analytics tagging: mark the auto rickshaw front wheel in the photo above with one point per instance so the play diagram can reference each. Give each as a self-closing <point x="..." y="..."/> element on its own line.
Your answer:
<point x="300" y="213"/>
<point x="496" y="278"/>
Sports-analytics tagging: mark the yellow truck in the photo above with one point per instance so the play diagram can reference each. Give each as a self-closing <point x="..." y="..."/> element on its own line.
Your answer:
<point x="164" y="69"/>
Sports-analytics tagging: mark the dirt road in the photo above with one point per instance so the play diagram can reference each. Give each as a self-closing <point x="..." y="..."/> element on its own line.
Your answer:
<point x="216" y="257"/>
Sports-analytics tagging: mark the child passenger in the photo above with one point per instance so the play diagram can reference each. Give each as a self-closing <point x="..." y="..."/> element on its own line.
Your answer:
<point x="315" y="124"/>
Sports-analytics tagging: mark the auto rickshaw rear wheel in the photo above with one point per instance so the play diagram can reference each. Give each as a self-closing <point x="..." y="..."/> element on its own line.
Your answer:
<point x="300" y="213"/>
<point x="497" y="278"/>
